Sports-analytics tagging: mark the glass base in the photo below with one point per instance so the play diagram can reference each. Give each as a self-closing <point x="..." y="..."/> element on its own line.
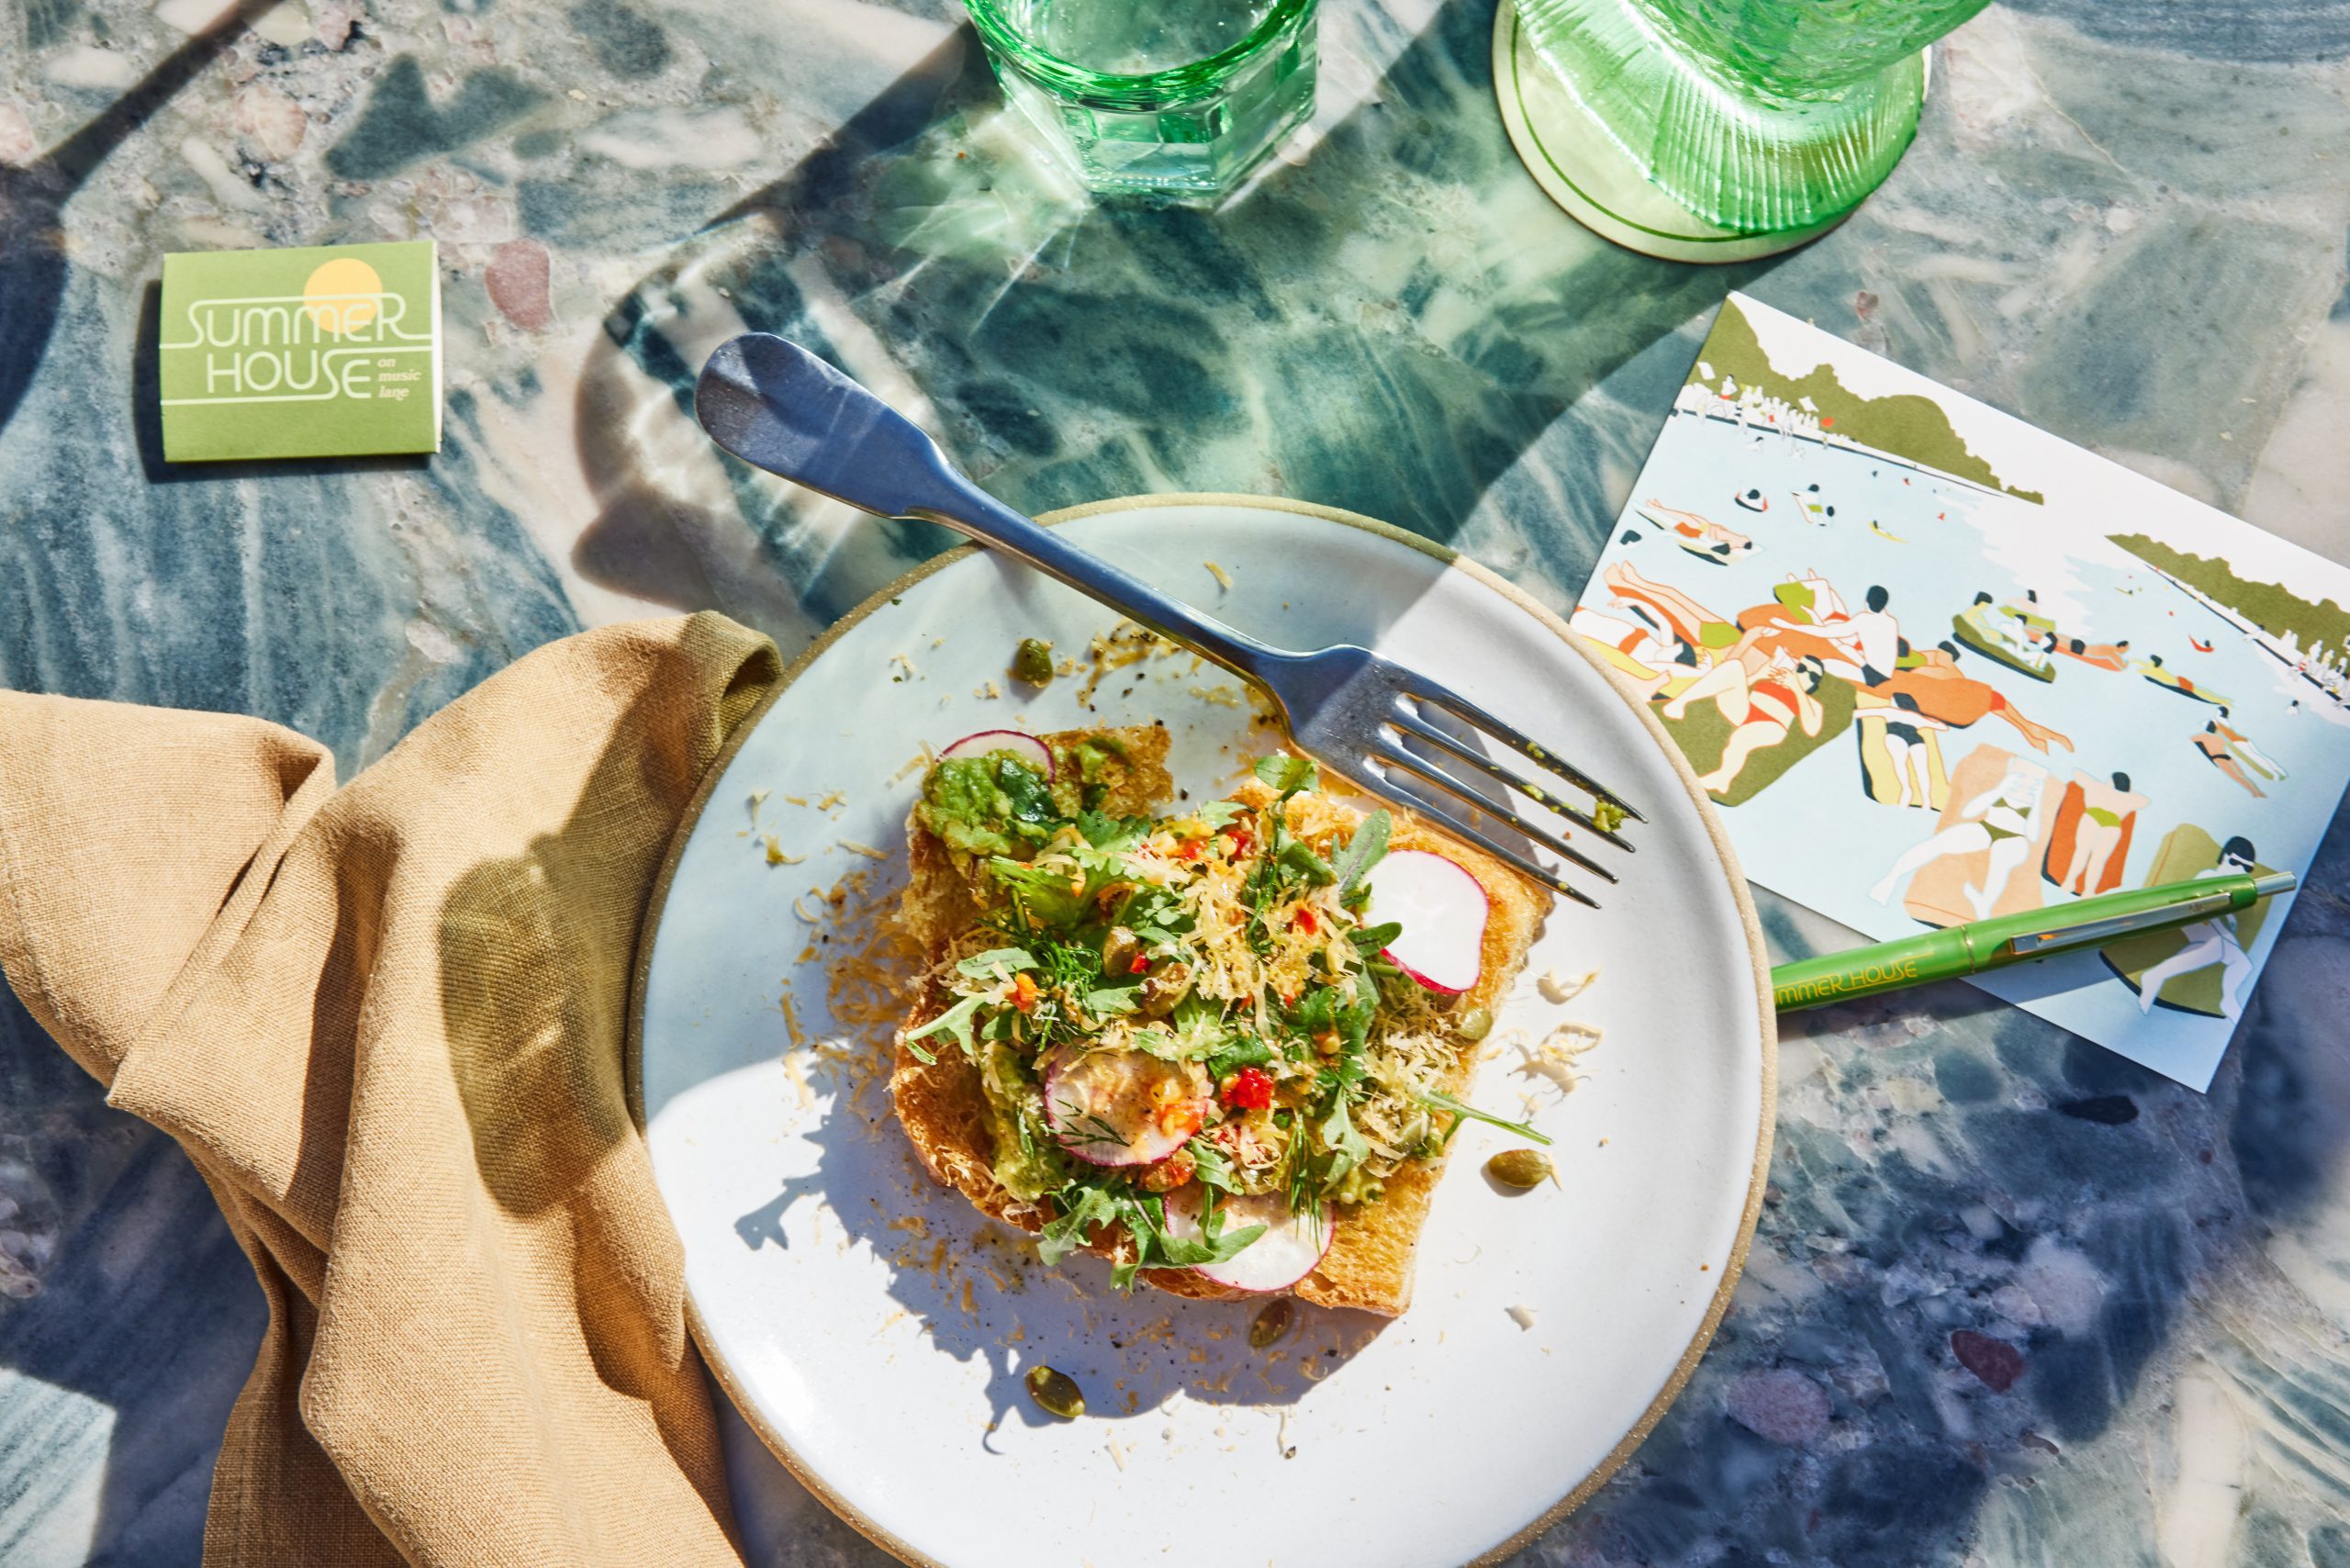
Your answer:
<point x="1736" y="158"/>
<point x="1179" y="151"/>
<point x="1579" y="166"/>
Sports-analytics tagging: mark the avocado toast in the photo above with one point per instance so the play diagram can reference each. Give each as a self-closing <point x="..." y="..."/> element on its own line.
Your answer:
<point x="1197" y="1044"/>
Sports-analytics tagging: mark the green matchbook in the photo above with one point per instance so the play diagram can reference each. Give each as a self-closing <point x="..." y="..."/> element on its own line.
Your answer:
<point x="332" y="350"/>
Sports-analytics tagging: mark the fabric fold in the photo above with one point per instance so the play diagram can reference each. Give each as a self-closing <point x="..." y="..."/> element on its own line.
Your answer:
<point x="387" y="1022"/>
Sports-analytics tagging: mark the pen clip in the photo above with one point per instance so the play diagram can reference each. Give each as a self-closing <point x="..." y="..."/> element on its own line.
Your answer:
<point x="2097" y="933"/>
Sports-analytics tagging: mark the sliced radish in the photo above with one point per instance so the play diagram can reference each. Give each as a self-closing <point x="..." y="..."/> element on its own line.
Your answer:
<point x="1290" y="1250"/>
<point x="1121" y="1107"/>
<point x="1442" y="910"/>
<point x="1027" y="748"/>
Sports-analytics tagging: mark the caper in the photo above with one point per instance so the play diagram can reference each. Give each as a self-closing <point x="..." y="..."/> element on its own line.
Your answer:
<point x="1274" y="1323"/>
<point x="1119" y="951"/>
<point x="1474" y="1025"/>
<point x="1056" y="1393"/>
<point x="1520" y="1167"/>
<point x="1032" y="661"/>
<point x="1167" y="985"/>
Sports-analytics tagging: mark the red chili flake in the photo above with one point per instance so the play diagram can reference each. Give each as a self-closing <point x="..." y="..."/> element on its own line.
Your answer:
<point x="1189" y="848"/>
<point x="1023" y="992"/>
<point x="1251" y="1089"/>
<point x="1306" y="922"/>
<point x="1141" y="965"/>
<point x="1240" y="839"/>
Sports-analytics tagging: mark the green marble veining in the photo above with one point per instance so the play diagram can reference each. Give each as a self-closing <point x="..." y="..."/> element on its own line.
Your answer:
<point x="2012" y="1302"/>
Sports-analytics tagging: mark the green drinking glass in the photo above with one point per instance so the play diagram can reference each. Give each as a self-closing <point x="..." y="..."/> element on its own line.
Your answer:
<point x="1756" y="116"/>
<point x="1172" y="99"/>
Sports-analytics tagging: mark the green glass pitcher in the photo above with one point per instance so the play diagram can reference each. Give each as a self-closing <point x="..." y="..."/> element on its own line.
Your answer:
<point x="1756" y="116"/>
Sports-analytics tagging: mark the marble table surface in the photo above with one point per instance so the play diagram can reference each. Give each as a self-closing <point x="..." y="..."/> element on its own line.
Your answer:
<point x="2123" y="220"/>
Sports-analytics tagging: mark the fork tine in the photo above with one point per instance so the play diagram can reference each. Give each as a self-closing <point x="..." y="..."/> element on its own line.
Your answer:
<point x="1439" y="778"/>
<point x="1386" y="790"/>
<point x="1476" y="718"/>
<point x="1421" y="728"/>
<point x="1450" y="821"/>
<point x="1378" y="784"/>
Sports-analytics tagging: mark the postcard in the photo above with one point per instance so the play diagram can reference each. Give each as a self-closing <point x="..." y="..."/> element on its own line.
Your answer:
<point x="1935" y="665"/>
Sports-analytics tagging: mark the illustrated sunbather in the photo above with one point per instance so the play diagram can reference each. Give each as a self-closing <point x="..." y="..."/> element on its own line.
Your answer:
<point x="1935" y="688"/>
<point x="1763" y="697"/>
<point x="2001" y="820"/>
<point x="1635" y="643"/>
<point x="1700" y="535"/>
<point x="2218" y="753"/>
<point x="2155" y="670"/>
<point x="2105" y="655"/>
<point x="2208" y="942"/>
<point x="2007" y="626"/>
<point x="1708" y="636"/>
<point x="1913" y="765"/>
<point x="2099" y="832"/>
<point x="2242" y="744"/>
<point x="1808" y="619"/>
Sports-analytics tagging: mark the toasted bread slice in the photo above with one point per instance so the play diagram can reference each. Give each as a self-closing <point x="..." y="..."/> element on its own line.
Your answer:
<point x="1369" y="1264"/>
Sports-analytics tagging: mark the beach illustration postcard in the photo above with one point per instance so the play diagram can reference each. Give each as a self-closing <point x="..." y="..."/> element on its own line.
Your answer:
<point x="1936" y="665"/>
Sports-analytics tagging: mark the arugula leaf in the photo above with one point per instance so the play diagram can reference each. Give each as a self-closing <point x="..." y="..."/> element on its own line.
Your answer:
<point x="1027" y="796"/>
<point x="1348" y="1146"/>
<point x="1286" y="773"/>
<point x="979" y="966"/>
<point x="1043" y="897"/>
<point x="1249" y="1051"/>
<point x="1363" y="851"/>
<point x="1158" y="1042"/>
<point x="1083" y="1209"/>
<point x="1211" y="1164"/>
<point x="1111" y="1000"/>
<point x="1116" y="834"/>
<point x="1369" y="939"/>
<point x="1220" y="813"/>
<point x="1183" y="1251"/>
<point x="1436" y="1099"/>
<point x="956" y="1021"/>
<point x="1298" y="855"/>
<point x="1355" y="1016"/>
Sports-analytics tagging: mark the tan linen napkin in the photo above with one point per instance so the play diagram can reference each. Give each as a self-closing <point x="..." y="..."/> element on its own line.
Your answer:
<point x="386" y="1022"/>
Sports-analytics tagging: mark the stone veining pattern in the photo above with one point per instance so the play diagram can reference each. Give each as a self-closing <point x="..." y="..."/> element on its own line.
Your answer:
<point x="2012" y="1302"/>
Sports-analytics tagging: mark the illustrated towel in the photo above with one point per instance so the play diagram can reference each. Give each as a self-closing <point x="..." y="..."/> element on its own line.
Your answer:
<point x="387" y="1023"/>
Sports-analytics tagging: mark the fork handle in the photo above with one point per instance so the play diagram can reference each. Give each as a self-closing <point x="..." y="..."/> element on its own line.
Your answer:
<point x="781" y="408"/>
<point x="962" y="506"/>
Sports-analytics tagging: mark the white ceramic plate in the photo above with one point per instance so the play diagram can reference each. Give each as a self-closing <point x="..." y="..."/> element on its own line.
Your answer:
<point x="874" y="1330"/>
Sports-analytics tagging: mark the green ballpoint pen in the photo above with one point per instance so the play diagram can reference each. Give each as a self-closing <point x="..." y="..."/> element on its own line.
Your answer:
<point x="1980" y="945"/>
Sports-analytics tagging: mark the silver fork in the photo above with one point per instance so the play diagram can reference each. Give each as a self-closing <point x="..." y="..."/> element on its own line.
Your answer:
<point x="1375" y="723"/>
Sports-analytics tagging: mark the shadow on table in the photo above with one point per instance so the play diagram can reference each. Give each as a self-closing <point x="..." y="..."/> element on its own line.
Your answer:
<point x="119" y="1370"/>
<point x="1069" y="351"/>
<point x="33" y="198"/>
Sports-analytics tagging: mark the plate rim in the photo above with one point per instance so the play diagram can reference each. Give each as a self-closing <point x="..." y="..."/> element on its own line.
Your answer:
<point x="632" y="1059"/>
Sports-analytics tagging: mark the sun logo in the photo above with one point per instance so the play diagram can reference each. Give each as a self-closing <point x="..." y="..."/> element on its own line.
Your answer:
<point x="340" y="297"/>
